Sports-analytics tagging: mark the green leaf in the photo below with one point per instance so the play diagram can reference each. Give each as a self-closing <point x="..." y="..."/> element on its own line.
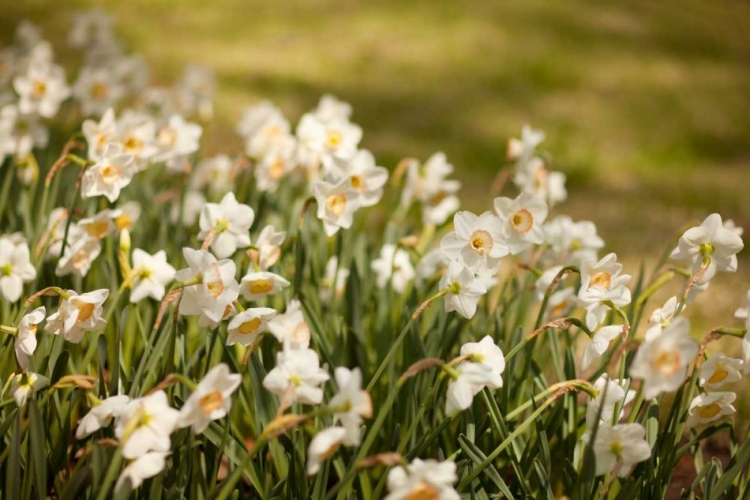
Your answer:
<point x="13" y="469"/>
<point x="477" y="456"/>
<point x="37" y="448"/>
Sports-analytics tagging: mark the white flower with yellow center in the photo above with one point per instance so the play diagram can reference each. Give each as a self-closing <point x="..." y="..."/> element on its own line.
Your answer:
<point x="328" y="140"/>
<point x="394" y="266"/>
<point x="487" y="353"/>
<point x="429" y="185"/>
<point x="137" y="137"/>
<point x="99" y="225"/>
<point x="336" y="205"/>
<point x="41" y="89"/>
<point x="524" y="148"/>
<point x="278" y="162"/>
<point x="334" y="280"/>
<point x="709" y="244"/>
<point x="256" y="285"/>
<point x="352" y="403"/>
<point x="331" y="109"/>
<point x="660" y="318"/>
<point x="476" y="240"/>
<point x="467" y="380"/>
<point x="743" y="313"/>
<point x="101" y="415"/>
<point x="718" y="371"/>
<point x="610" y="392"/>
<point x="537" y="179"/>
<point x="177" y="140"/>
<point x="572" y="242"/>
<point x="151" y="275"/>
<point x="80" y="252"/>
<point x="126" y="215"/>
<point x="112" y="172"/>
<point x="15" y="268"/>
<point x="710" y="407"/>
<point x="297" y="377"/>
<point x="599" y="343"/>
<point x="23" y="385"/>
<point x="522" y="220"/>
<point x="423" y="480"/>
<point x="602" y="286"/>
<point x="145" y="425"/>
<point x="211" y="399"/>
<point x="247" y="325"/>
<point x="464" y="289"/>
<point x="19" y="133"/>
<point x="364" y="176"/>
<point x="100" y="135"/>
<point x="619" y="448"/>
<point x="216" y="292"/>
<point x="230" y="222"/>
<point x="142" y="468"/>
<point x="273" y="133"/>
<point x="323" y="446"/>
<point x="662" y="363"/>
<point x="268" y="246"/>
<point x="214" y="173"/>
<point x="78" y="314"/>
<point x="97" y="89"/>
<point x="290" y="328"/>
<point x="254" y="117"/>
<point x="25" y="342"/>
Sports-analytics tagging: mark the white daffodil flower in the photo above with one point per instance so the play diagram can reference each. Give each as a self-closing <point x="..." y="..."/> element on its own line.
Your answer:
<point x="606" y="401"/>
<point x="464" y="289"/>
<point x="211" y="399"/>
<point x="126" y="215"/>
<point x="660" y="318"/>
<point x="177" y="140"/>
<point x="328" y="141"/>
<point x="730" y="225"/>
<point x="290" y="328"/>
<point x="279" y="161"/>
<point x="364" y="176"/>
<point x="15" y="268"/>
<point x="331" y="109"/>
<point x="537" y="179"/>
<point x="78" y="314"/>
<point x="710" y="407"/>
<point x="145" y="425"/>
<point x="470" y="378"/>
<point x="80" y="252"/>
<point x="525" y="147"/>
<point x="336" y="205"/>
<point x="20" y="133"/>
<point x="743" y="313"/>
<point x="322" y="447"/>
<point x="718" y="371"/>
<point x="334" y="281"/>
<point x="710" y="243"/>
<point x="573" y="242"/>
<point x="144" y="467"/>
<point x="663" y="363"/>
<point x="477" y="240"/>
<point x="255" y="116"/>
<point x="230" y="222"/>
<point x="23" y="385"/>
<point x="214" y="173"/>
<point x="190" y="209"/>
<point x="297" y="376"/>
<point x="112" y="171"/>
<point x="151" y="275"/>
<point x="136" y="135"/>
<point x="256" y="285"/>
<point x="394" y="266"/>
<point x="619" y="448"/>
<point x="602" y="285"/>
<point x="217" y="290"/>
<point x="429" y="185"/>
<point x="352" y="403"/>
<point x="25" y="342"/>
<point x="431" y="264"/>
<point x="522" y="219"/>
<point x="247" y="325"/>
<point x="98" y="226"/>
<point x="269" y="243"/>
<point x="423" y="479"/>
<point x="101" y="415"/>
<point x="273" y="134"/>
<point x="97" y="89"/>
<point x="487" y="353"/>
<point x="599" y="344"/>
<point x="41" y="89"/>
<point x="100" y="134"/>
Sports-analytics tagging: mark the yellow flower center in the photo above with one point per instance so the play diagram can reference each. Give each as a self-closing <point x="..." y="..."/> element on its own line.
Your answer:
<point x="38" y="89"/>
<point x="211" y="401"/>
<point x="168" y="136"/>
<point x="99" y="91"/>
<point x="215" y="288"/>
<point x="98" y="229"/>
<point x="719" y="374"/>
<point x="601" y="280"/>
<point x="276" y="170"/>
<point x="7" y="269"/>
<point x="123" y="222"/>
<point x="668" y="363"/>
<point x="249" y="327"/>
<point x="357" y="182"/>
<point x="481" y="241"/>
<point x="133" y="145"/>
<point x="334" y="139"/>
<point x="709" y="411"/>
<point x="616" y="448"/>
<point x="522" y="221"/>
<point x="85" y="310"/>
<point x="110" y="174"/>
<point x="337" y="203"/>
<point x="422" y="492"/>
<point x="260" y="286"/>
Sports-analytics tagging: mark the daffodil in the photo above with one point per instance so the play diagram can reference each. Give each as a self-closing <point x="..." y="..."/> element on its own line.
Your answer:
<point x="101" y="415"/>
<point x="145" y="466"/>
<point x="145" y="424"/>
<point x="256" y="285"/>
<point x="41" y="89"/>
<point x="322" y="447"/>
<point x="151" y="275"/>
<point x="217" y="289"/>
<point x="211" y="399"/>
<point x="522" y="220"/>
<point x="394" y="266"/>
<point x="230" y="223"/>
<point x="23" y="385"/>
<point x="710" y="407"/>
<point x="478" y="241"/>
<point x="660" y="318"/>
<point x="599" y="343"/>
<point x="602" y="286"/>
<point x="363" y="175"/>
<point x="463" y="289"/>
<point x="297" y="377"/>
<point x="619" y="448"/>
<point x="78" y="314"/>
<point x="336" y="204"/>
<point x="352" y="403"/>
<point x="247" y="325"/>
<point x="112" y="171"/>
<point x="423" y="479"/>
<point x="718" y="371"/>
<point x="15" y="268"/>
<point x="290" y="328"/>
<point x="429" y="185"/>
<point x="26" y="342"/>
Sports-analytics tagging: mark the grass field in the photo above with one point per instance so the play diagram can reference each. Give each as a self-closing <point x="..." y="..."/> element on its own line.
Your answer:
<point x="645" y="104"/>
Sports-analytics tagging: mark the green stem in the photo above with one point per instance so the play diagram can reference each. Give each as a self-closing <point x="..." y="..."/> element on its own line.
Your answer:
<point x="109" y="478"/>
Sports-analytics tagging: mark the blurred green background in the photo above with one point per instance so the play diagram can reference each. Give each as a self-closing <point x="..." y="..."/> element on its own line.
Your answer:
<point x="645" y="104"/>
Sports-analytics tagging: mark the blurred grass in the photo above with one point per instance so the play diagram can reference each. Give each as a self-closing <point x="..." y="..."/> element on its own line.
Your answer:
<point x="645" y="103"/>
